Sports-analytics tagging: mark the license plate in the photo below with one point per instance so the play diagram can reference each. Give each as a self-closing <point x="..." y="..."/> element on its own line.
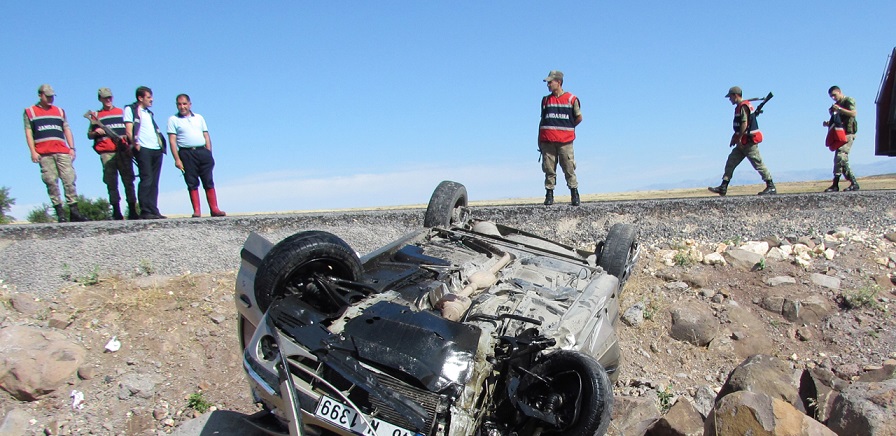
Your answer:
<point x="347" y="418"/>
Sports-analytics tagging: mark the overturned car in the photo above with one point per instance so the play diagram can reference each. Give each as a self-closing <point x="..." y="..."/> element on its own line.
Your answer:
<point x="464" y="327"/>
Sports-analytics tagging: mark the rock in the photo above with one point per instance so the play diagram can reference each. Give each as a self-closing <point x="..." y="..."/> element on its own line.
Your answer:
<point x="758" y="247"/>
<point x="807" y="309"/>
<point x="797" y="306"/>
<point x="743" y="259"/>
<point x="884" y="281"/>
<point x="59" y="321"/>
<point x="825" y="281"/>
<point x="777" y="253"/>
<point x="218" y="318"/>
<point x="26" y="304"/>
<point x="693" y="322"/>
<point x="634" y="315"/>
<point x="35" y="362"/>
<point x="781" y="280"/>
<point x="807" y="241"/>
<point x="15" y="422"/>
<point x="695" y="280"/>
<point x="682" y="419"/>
<point x="890" y="236"/>
<point x="744" y="413"/>
<point x="817" y="392"/>
<point x="139" y="385"/>
<point x="86" y="372"/>
<point x="676" y="286"/>
<point x="767" y="374"/>
<point x="865" y="408"/>
<point x="750" y="340"/>
<point x="704" y="399"/>
<point x="885" y="372"/>
<point x="632" y="415"/>
<point x="714" y="259"/>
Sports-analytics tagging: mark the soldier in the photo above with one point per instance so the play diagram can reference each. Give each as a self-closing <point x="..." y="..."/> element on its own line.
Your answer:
<point x="745" y="141"/>
<point x="115" y="157"/>
<point x="51" y="145"/>
<point x="560" y="114"/>
<point x="846" y="108"/>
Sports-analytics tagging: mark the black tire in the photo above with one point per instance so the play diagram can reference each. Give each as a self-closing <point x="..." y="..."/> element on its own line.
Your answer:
<point x="618" y="252"/>
<point x="446" y="199"/>
<point x="292" y="265"/>
<point x="580" y="388"/>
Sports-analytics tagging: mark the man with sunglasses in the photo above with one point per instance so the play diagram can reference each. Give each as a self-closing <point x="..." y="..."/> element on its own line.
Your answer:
<point x="52" y="146"/>
<point x="116" y="158"/>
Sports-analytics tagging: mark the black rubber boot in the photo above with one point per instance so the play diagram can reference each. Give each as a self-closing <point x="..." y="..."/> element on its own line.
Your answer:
<point x="835" y="186"/>
<point x="574" y="192"/>
<point x="116" y="212"/>
<point x="853" y="184"/>
<point x="548" y="197"/>
<point x="74" y="215"/>
<point x="132" y="211"/>
<point x="721" y="189"/>
<point x="60" y="213"/>
<point x="769" y="189"/>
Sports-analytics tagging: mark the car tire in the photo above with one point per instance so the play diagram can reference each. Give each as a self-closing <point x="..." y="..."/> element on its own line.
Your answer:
<point x="617" y="252"/>
<point x="578" y="379"/>
<point x="446" y="199"/>
<point x="289" y="268"/>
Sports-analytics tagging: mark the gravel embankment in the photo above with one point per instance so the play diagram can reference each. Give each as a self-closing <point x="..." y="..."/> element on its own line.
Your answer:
<point x="42" y="258"/>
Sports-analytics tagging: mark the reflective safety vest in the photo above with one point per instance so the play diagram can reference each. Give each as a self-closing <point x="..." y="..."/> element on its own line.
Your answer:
<point x="558" y="119"/>
<point x="753" y="134"/>
<point x="114" y="120"/>
<point x="47" y="129"/>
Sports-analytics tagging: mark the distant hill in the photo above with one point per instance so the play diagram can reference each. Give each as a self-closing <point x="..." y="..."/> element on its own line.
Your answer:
<point x="887" y="166"/>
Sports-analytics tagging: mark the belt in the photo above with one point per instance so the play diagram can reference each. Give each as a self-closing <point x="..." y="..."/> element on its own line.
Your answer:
<point x="190" y="148"/>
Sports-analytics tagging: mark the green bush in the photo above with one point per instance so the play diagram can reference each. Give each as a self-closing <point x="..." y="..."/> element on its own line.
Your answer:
<point x="6" y="203"/>
<point x="94" y="210"/>
<point x="41" y="214"/>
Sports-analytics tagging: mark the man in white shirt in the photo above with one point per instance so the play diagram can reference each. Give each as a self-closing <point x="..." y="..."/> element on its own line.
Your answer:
<point x="191" y="147"/>
<point x="149" y="150"/>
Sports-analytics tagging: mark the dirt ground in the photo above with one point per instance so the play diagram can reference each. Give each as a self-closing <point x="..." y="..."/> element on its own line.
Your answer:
<point x="181" y="332"/>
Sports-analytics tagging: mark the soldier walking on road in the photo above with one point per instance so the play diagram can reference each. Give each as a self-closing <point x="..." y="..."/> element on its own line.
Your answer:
<point x="845" y="107"/>
<point x="745" y="141"/>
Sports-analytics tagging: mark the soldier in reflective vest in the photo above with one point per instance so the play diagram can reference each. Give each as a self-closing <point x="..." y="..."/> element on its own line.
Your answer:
<point x="745" y="141"/>
<point x="52" y="146"/>
<point x="846" y="108"/>
<point x="560" y="114"/>
<point x="115" y="158"/>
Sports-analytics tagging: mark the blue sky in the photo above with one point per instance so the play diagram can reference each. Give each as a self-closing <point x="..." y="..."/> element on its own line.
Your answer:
<point x="320" y="105"/>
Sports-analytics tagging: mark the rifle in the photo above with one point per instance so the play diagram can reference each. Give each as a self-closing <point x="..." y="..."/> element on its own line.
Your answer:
<point x="121" y="143"/>
<point x="764" y="101"/>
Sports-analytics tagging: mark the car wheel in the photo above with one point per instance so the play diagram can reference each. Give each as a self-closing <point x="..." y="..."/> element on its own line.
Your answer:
<point x="572" y="389"/>
<point x="303" y="264"/>
<point x="444" y="205"/>
<point x="619" y="252"/>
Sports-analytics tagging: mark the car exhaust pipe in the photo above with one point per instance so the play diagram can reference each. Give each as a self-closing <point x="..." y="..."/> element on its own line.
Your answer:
<point x="454" y="305"/>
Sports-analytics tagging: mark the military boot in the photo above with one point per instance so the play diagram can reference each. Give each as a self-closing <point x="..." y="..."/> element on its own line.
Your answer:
<point x="721" y="189"/>
<point x="132" y="211"/>
<point x="116" y="212"/>
<point x="853" y="184"/>
<point x="835" y="186"/>
<point x="574" y="192"/>
<point x="769" y="188"/>
<point x="548" y="197"/>
<point x="74" y="215"/>
<point x="60" y="213"/>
